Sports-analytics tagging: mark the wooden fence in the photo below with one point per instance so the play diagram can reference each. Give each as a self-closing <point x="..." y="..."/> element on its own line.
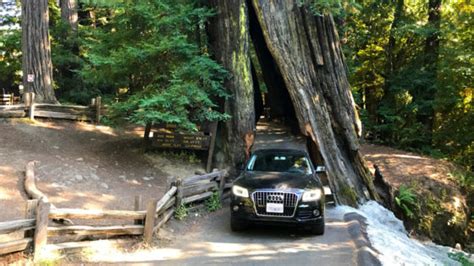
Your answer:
<point x="39" y="213"/>
<point x="30" y="109"/>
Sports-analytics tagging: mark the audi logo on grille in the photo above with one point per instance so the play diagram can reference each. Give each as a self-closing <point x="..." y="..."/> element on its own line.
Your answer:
<point x="275" y="197"/>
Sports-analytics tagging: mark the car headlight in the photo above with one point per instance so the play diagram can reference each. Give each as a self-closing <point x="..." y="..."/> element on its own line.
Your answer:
<point x="312" y="195"/>
<point x="240" y="191"/>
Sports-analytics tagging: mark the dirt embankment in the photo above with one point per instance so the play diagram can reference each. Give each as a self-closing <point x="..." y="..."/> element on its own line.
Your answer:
<point x="442" y="210"/>
<point x="81" y="165"/>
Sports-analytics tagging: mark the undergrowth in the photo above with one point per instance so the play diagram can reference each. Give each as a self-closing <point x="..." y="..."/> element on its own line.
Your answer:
<point x="214" y="202"/>
<point x="181" y="212"/>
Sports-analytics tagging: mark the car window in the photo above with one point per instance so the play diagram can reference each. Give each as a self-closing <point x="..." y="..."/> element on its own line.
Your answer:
<point x="279" y="163"/>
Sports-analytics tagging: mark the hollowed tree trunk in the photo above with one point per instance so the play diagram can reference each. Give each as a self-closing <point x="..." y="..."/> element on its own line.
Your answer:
<point x="307" y="50"/>
<point x="36" y="50"/>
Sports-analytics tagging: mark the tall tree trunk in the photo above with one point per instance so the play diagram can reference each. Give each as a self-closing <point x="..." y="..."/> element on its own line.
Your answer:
<point x="307" y="51"/>
<point x="427" y="95"/>
<point x="36" y="50"/>
<point x="390" y="48"/>
<point x="69" y="13"/>
<point x="229" y="40"/>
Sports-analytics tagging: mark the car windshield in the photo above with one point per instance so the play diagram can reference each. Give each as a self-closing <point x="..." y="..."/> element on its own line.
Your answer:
<point x="290" y="163"/>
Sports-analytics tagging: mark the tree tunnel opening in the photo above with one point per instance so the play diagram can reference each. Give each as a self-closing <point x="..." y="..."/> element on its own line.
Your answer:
<point x="271" y="97"/>
<point x="270" y="93"/>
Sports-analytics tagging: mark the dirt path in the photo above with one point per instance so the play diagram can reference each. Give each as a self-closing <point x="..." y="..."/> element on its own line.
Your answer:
<point x="79" y="166"/>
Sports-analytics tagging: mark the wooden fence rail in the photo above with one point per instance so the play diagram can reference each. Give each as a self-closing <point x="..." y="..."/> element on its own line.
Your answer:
<point x="39" y="212"/>
<point x="17" y="225"/>
<point x="30" y="109"/>
<point x="94" y="214"/>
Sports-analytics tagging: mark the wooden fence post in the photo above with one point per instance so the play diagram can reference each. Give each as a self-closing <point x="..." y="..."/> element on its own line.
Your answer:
<point x="29" y="100"/>
<point x="138" y="207"/>
<point x="98" y="104"/>
<point x="210" y="152"/>
<point x="179" y="192"/>
<point x="222" y="184"/>
<point x="30" y="212"/>
<point x="41" y="231"/>
<point x="150" y="221"/>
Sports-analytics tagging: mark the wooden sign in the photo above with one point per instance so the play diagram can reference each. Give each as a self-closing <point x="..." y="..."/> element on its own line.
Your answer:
<point x="181" y="141"/>
<point x="167" y="136"/>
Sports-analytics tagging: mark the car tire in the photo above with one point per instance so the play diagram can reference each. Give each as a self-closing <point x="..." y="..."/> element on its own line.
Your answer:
<point x="318" y="229"/>
<point x="237" y="225"/>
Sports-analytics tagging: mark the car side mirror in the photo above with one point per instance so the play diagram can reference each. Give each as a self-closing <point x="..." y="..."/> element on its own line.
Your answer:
<point x="320" y="169"/>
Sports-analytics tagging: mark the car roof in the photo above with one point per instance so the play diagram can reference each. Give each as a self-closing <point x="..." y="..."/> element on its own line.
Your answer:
<point x="287" y="151"/>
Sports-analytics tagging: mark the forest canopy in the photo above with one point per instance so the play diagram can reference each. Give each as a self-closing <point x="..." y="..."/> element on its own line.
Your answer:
<point x="409" y="62"/>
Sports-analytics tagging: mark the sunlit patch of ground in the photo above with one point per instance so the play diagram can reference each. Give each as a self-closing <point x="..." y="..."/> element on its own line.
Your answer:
<point x="398" y="165"/>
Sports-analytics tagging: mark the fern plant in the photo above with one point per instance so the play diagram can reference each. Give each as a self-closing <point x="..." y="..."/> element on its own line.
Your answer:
<point x="407" y="201"/>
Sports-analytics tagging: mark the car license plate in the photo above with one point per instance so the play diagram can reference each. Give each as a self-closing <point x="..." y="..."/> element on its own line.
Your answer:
<point x="275" y="207"/>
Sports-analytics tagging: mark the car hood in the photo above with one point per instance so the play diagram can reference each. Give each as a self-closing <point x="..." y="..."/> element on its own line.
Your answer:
<point x="276" y="180"/>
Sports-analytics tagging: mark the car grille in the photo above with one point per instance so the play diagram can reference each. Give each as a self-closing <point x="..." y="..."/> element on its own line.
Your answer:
<point x="289" y="200"/>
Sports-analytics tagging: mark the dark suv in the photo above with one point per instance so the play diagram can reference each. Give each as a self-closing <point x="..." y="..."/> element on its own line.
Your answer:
<point x="278" y="186"/>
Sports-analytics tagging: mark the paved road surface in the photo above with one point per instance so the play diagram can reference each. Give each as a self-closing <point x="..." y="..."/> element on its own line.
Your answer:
<point x="215" y="243"/>
<point x="211" y="242"/>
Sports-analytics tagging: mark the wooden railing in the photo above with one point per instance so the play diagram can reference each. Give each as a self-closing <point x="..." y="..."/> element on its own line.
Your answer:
<point x="142" y="222"/>
<point x="29" y="108"/>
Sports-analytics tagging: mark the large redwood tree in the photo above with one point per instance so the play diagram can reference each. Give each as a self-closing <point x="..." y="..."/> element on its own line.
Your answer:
<point x="36" y="50"/>
<point x="306" y="51"/>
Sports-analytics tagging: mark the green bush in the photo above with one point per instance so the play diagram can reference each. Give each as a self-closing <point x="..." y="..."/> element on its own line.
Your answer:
<point x="460" y="257"/>
<point x="181" y="212"/>
<point x="214" y="202"/>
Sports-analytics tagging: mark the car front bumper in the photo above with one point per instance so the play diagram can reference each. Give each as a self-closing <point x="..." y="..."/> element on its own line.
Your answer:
<point x="243" y="209"/>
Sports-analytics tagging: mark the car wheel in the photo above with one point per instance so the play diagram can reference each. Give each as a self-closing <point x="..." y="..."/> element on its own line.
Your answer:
<point x="237" y="224"/>
<point x="318" y="229"/>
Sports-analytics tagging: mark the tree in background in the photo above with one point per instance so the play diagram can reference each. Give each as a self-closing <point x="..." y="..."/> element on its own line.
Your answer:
<point x="411" y="71"/>
<point x="69" y="13"/>
<point x="146" y="52"/>
<point x="10" y="47"/>
<point x="36" y="50"/>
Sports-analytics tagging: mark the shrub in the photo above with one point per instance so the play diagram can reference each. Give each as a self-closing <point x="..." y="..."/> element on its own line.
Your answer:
<point x="214" y="202"/>
<point x="181" y="212"/>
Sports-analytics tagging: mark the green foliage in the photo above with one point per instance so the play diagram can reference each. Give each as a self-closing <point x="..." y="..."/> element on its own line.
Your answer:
<point x="464" y="179"/>
<point x="213" y="203"/>
<point x="460" y="257"/>
<point x="146" y="53"/>
<point x="407" y="201"/>
<point x="181" y="212"/>
<point x="10" y="48"/>
<point x="410" y="103"/>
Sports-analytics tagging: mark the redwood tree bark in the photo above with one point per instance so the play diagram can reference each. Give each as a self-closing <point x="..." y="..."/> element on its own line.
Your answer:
<point x="36" y="50"/>
<point x="307" y="50"/>
<point x="229" y="41"/>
